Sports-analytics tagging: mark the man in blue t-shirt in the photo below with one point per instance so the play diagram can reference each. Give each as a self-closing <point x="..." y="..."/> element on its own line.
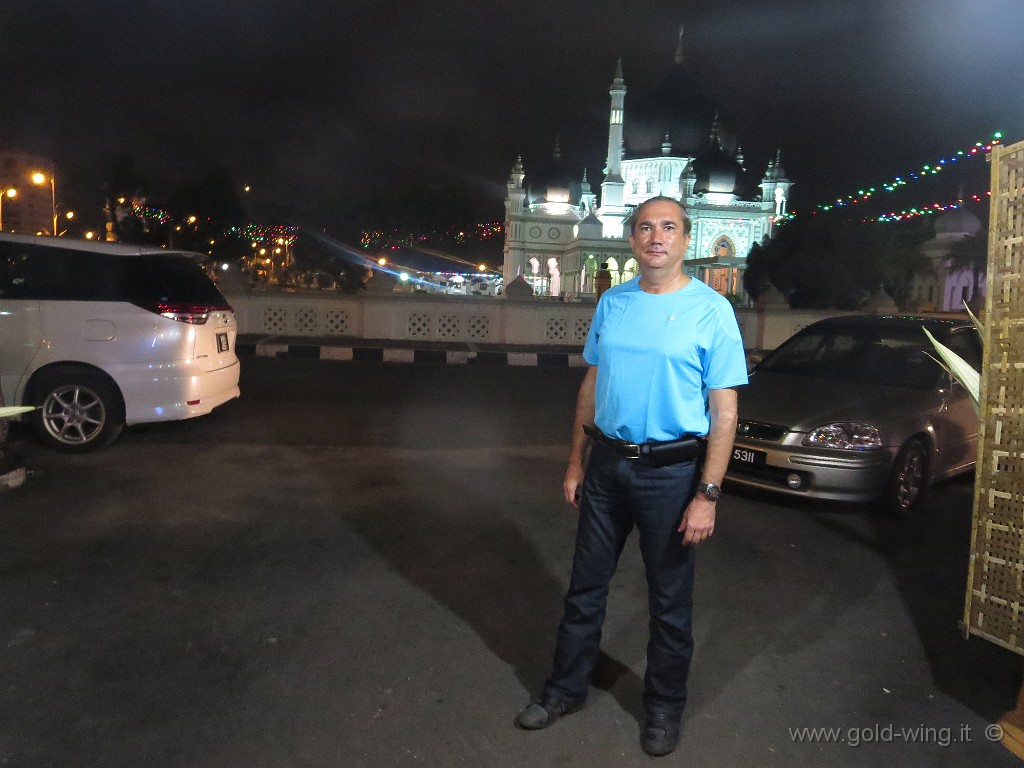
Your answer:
<point x="657" y="411"/>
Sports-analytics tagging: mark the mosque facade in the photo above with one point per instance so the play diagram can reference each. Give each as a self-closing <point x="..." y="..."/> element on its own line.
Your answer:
<point x="673" y="142"/>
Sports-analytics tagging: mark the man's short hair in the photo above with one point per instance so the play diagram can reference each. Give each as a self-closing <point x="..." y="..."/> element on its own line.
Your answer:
<point x="687" y="222"/>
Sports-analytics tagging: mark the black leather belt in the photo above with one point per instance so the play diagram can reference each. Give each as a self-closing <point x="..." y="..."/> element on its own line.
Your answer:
<point x="686" y="448"/>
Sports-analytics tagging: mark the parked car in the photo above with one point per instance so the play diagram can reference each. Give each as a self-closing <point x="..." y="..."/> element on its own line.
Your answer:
<point x="856" y="408"/>
<point x="102" y="335"/>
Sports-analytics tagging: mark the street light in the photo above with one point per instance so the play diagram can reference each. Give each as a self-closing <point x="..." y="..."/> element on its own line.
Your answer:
<point x="10" y="192"/>
<point x="39" y="178"/>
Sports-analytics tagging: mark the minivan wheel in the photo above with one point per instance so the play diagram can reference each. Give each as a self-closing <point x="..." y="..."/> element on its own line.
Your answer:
<point x="79" y="410"/>
<point x="909" y="479"/>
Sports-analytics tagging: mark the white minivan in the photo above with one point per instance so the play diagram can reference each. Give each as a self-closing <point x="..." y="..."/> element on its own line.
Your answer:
<point x="100" y="335"/>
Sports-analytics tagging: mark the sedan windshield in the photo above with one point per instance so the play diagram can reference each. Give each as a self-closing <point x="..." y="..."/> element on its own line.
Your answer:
<point x="873" y="356"/>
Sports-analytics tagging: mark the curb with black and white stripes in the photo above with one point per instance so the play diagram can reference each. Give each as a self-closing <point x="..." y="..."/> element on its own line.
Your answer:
<point x="405" y="355"/>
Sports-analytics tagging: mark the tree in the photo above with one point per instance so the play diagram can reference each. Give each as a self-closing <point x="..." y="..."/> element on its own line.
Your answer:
<point x="125" y="188"/>
<point x="901" y="258"/>
<point x="826" y="263"/>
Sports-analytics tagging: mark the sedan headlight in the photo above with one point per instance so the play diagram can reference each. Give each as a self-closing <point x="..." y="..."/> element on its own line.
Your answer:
<point x="845" y="435"/>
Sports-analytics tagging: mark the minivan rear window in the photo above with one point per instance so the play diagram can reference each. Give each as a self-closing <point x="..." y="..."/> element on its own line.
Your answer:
<point x="29" y="271"/>
<point x="173" y="278"/>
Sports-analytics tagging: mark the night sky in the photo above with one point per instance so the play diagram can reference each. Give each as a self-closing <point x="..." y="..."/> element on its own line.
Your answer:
<point x="404" y="112"/>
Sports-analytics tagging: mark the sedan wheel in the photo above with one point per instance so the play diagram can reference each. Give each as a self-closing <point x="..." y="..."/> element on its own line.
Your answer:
<point x="79" y="411"/>
<point x="909" y="479"/>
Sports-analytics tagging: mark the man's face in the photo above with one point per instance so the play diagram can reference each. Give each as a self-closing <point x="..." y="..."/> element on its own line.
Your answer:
<point x="659" y="240"/>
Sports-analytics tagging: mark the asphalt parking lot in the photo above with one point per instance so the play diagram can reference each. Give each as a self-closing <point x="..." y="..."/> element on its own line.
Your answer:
<point x="361" y="564"/>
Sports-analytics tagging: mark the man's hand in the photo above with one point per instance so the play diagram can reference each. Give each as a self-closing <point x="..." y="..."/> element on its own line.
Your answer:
<point x="573" y="483"/>
<point x="698" y="520"/>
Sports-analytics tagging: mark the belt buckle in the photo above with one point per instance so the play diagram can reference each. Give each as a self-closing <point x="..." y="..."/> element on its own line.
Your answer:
<point x="631" y="450"/>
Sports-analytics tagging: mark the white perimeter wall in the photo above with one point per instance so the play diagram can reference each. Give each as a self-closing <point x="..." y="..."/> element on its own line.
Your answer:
<point x="462" y="319"/>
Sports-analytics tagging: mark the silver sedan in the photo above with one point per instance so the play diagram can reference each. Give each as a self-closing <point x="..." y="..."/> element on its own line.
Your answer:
<point x="855" y="408"/>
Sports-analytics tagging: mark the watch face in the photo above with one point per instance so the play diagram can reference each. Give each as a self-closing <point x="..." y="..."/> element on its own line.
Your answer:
<point x="712" y="491"/>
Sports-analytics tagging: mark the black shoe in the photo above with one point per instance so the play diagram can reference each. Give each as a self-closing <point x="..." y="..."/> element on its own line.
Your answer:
<point x="544" y="711"/>
<point x="661" y="734"/>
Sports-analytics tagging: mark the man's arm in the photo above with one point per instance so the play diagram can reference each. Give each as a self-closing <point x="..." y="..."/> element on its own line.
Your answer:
<point x="580" y="440"/>
<point x="699" y="517"/>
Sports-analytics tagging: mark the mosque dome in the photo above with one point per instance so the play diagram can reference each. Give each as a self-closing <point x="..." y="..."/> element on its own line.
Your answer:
<point x="957" y="222"/>
<point x="675" y="109"/>
<point x="553" y="182"/>
<point x="716" y="172"/>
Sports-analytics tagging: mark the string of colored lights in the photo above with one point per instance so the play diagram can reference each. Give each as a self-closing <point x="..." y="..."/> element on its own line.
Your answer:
<point x="280" y="233"/>
<point x="929" y="209"/>
<point x="376" y="239"/>
<point x="151" y="214"/>
<point x="260" y="232"/>
<point x="980" y="149"/>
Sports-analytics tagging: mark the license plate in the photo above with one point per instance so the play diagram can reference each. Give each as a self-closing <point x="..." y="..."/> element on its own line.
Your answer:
<point x="222" y="342"/>
<point x="749" y="456"/>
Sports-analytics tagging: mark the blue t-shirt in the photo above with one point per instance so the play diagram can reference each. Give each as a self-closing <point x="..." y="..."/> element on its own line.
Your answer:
<point x="657" y="355"/>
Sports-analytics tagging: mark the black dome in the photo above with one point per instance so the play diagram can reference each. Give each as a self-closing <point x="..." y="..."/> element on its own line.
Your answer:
<point x="718" y="173"/>
<point x="676" y="107"/>
<point x="553" y="182"/>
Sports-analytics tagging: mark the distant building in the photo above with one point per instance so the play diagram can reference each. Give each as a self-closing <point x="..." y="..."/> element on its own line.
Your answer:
<point x="938" y="286"/>
<point x="30" y="210"/>
<point x="675" y="143"/>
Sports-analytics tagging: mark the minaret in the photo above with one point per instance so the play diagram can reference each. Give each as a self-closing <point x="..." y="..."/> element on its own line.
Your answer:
<point x="782" y="185"/>
<point x="715" y="136"/>
<point x="679" y="47"/>
<point x="775" y="186"/>
<point x="514" y="250"/>
<point x="516" y="194"/>
<point x="613" y="165"/>
<point x="613" y="212"/>
<point x="587" y="196"/>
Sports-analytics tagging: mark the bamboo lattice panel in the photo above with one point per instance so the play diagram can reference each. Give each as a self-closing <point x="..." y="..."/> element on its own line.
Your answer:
<point x="995" y="605"/>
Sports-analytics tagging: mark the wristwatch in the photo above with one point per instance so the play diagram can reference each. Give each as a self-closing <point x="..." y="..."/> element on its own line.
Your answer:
<point x="712" y="491"/>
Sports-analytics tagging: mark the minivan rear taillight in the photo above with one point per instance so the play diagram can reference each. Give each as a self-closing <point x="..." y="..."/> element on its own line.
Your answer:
<point x="194" y="314"/>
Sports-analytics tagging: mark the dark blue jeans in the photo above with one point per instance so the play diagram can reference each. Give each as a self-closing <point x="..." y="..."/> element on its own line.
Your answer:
<point x="618" y="494"/>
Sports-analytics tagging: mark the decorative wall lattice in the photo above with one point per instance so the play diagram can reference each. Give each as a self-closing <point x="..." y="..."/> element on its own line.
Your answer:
<point x="275" y="319"/>
<point x="556" y="328"/>
<point x="994" y="606"/>
<point x="447" y="326"/>
<point x="580" y="329"/>
<point x="479" y="326"/>
<point x="336" y="322"/>
<point x="306" y="320"/>
<point x="419" y="325"/>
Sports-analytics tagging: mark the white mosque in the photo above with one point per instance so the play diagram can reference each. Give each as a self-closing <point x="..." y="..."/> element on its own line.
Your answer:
<point x="673" y="143"/>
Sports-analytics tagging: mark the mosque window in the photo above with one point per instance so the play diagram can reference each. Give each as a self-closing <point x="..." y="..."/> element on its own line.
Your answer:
<point x="636" y="186"/>
<point x="723" y="248"/>
<point x="650" y="186"/>
<point x="629" y="270"/>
